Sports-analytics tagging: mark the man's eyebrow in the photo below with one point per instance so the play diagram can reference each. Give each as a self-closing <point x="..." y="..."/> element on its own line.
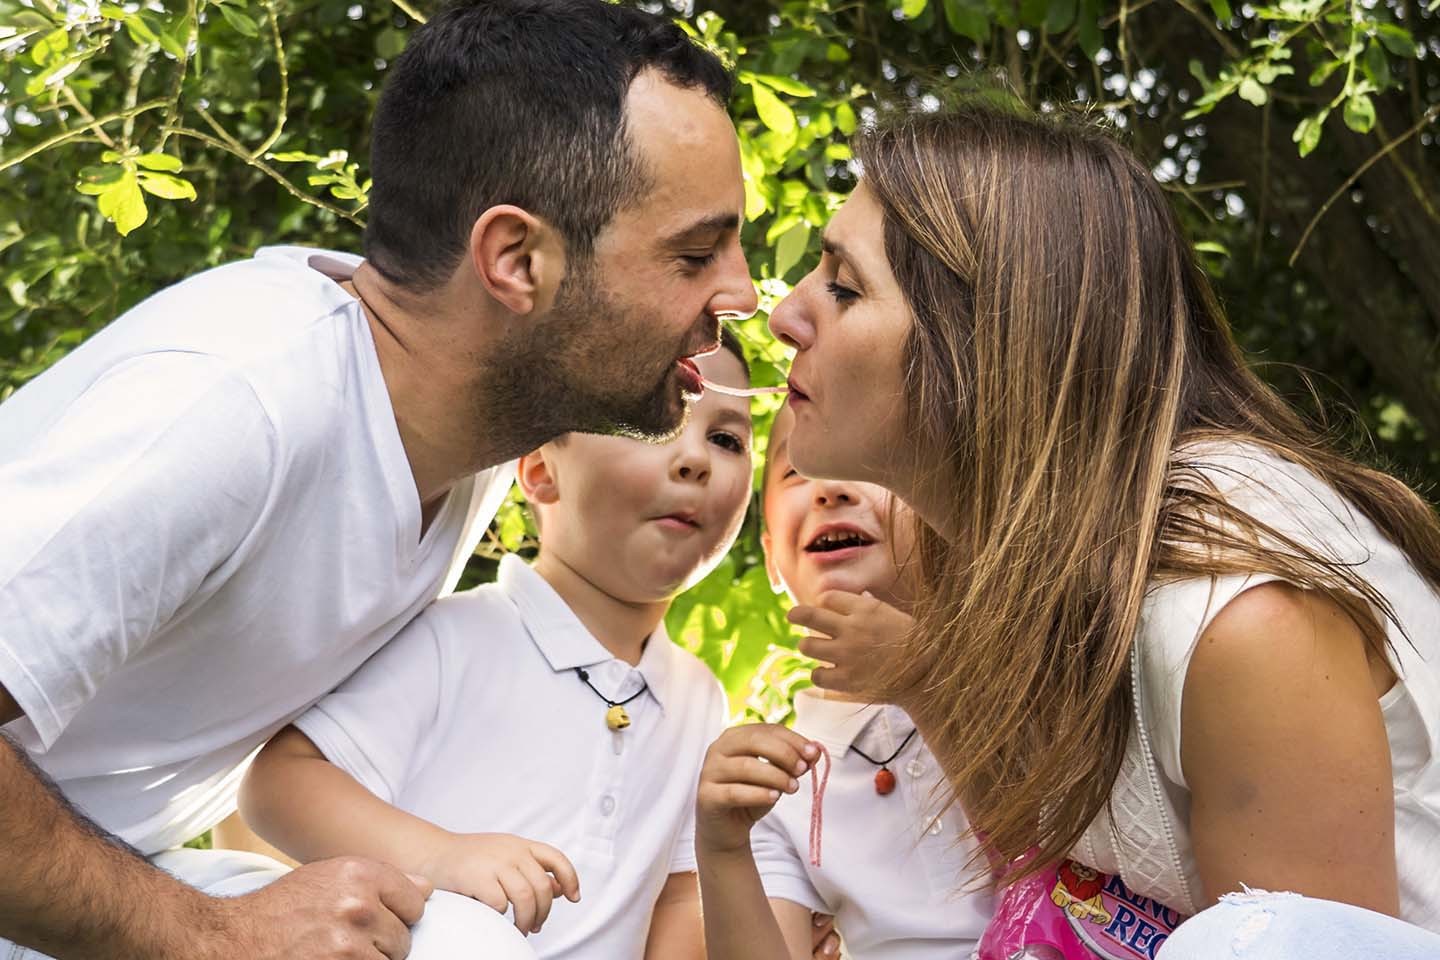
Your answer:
<point x="714" y="223"/>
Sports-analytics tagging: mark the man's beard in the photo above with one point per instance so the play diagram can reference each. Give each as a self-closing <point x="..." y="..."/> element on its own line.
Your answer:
<point x="590" y="366"/>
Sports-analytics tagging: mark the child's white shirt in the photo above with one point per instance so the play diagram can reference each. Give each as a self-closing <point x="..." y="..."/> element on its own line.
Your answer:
<point x="891" y="870"/>
<point x="474" y="719"/>
<point x="210" y="521"/>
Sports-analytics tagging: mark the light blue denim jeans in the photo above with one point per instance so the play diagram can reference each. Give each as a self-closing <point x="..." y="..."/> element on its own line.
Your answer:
<point x="1257" y="925"/>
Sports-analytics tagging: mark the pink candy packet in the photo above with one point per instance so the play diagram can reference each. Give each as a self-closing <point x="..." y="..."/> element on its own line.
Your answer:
<point x="1070" y="912"/>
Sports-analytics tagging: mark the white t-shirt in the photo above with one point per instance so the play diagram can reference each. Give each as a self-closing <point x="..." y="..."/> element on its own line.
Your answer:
<point x="474" y="719"/>
<point x="209" y="523"/>
<point x="1150" y="798"/>
<point x="891" y="871"/>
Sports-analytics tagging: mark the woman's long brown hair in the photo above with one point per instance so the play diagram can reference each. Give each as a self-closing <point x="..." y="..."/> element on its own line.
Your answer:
<point x="1066" y="349"/>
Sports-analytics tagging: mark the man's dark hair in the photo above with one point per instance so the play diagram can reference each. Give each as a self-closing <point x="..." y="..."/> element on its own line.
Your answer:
<point x="519" y="102"/>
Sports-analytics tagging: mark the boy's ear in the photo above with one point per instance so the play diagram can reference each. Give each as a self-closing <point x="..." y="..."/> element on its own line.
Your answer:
<point x="518" y="258"/>
<point x="537" y="478"/>
<point x="776" y="584"/>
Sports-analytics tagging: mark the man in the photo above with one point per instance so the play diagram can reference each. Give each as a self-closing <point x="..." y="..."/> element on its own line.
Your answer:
<point x="221" y="505"/>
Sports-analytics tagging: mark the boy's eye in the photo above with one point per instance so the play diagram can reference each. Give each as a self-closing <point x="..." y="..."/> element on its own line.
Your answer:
<point x="842" y="295"/>
<point x="728" y="440"/>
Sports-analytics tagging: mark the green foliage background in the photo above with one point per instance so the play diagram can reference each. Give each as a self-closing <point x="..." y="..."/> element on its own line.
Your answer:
<point x="142" y="142"/>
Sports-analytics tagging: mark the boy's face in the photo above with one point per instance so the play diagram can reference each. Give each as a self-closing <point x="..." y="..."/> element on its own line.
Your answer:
<point x="644" y="521"/>
<point x="825" y="535"/>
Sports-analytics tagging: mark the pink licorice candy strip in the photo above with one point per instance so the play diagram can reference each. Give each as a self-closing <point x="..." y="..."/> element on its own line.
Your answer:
<point x="817" y="798"/>
<point x="743" y="391"/>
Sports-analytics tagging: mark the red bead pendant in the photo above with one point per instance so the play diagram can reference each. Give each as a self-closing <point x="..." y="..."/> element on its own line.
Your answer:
<point x="884" y="781"/>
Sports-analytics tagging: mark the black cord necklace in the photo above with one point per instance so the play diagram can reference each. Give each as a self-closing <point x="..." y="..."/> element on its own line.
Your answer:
<point x="616" y="718"/>
<point x="884" y="779"/>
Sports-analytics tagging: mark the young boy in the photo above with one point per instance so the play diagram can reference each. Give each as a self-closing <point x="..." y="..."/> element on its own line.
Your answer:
<point x="542" y="735"/>
<point x="891" y="870"/>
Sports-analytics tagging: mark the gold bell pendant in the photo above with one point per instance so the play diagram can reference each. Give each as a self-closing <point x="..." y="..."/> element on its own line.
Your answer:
<point x="616" y="718"/>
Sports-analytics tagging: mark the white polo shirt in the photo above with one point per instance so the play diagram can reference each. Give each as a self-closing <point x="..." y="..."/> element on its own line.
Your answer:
<point x="209" y="522"/>
<point x="474" y="719"/>
<point x="891" y="871"/>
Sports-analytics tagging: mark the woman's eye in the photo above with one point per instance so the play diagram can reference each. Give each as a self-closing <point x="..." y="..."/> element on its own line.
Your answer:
<point x="842" y="295"/>
<point x="729" y="441"/>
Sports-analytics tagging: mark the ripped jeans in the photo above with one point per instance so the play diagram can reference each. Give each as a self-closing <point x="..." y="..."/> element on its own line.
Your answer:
<point x="1257" y="925"/>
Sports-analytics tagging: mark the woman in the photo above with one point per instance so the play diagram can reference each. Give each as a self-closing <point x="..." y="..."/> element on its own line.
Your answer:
<point x="1126" y="534"/>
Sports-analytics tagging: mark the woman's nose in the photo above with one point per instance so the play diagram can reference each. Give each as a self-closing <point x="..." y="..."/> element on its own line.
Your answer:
<point x="789" y="321"/>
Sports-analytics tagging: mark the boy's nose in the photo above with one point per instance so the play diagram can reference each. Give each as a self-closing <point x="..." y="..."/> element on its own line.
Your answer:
<point x="691" y="466"/>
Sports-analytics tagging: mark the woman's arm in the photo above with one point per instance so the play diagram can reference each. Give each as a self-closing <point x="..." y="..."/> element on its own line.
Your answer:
<point x="311" y="809"/>
<point x="737" y="788"/>
<point x="1285" y="753"/>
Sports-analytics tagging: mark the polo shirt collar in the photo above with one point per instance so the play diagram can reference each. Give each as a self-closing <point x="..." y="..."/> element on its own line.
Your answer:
<point x="564" y="641"/>
<point x="835" y="723"/>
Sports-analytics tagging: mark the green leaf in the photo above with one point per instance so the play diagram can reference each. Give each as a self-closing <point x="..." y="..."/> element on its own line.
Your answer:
<point x="967" y="19"/>
<point x="242" y="22"/>
<point x="1308" y="131"/>
<point x="1221" y="9"/>
<point x="1397" y="40"/>
<point x="124" y="205"/>
<point x="1210" y="246"/>
<point x="139" y="30"/>
<point x="782" y="224"/>
<point x="112" y="12"/>
<point x="1061" y="14"/>
<point x="774" y="113"/>
<point x="390" y="43"/>
<point x="1360" y="113"/>
<point x="1323" y="72"/>
<point x="170" y="43"/>
<point x="1253" y="92"/>
<point x="791" y="248"/>
<point x="785" y="85"/>
<point x="167" y="185"/>
<point x="913" y="8"/>
<point x="94" y="181"/>
<point x="754" y="200"/>
<point x="1089" y="22"/>
<point x="845" y="119"/>
<point x="1377" y="65"/>
<point x="50" y="46"/>
<point x="294" y="156"/>
<point x="159" y="161"/>
<point x="512" y="526"/>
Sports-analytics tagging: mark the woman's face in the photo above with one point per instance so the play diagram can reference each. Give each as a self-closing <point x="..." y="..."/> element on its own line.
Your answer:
<point x="847" y="322"/>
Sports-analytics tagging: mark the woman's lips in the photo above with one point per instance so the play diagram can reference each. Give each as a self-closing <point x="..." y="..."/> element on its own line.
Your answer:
<point x="796" y="395"/>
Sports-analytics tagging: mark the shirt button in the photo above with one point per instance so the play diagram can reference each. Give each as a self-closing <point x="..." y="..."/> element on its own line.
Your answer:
<point x="607" y="805"/>
<point x="935" y="827"/>
<point x="914" y="768"/>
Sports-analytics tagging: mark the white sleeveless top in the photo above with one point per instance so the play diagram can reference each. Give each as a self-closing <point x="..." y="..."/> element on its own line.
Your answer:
<point x="1150" y="846"/>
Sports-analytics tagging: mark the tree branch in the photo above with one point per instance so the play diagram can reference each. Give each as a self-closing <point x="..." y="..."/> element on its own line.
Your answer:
<point x="80" y="131"/>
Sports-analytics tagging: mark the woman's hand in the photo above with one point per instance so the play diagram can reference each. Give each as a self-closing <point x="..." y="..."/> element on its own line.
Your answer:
<point x="746" y="770"/>
<point x="853" y="634"/>
<point x="499" y="869"/>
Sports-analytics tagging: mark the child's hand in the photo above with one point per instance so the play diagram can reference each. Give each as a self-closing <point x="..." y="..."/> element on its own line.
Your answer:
<point x="855" y="633"/>
<point x="737" y="787"/>
<point x="500" y="869"/>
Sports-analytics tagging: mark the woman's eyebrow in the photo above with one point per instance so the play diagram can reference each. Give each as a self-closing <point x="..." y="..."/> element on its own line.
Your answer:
<point x="837" y="250"/>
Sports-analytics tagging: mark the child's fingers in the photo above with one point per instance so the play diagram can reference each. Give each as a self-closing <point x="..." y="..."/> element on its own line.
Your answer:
<point x="743" y="796"/>
<point x="821" y="648"/>
<point x="842" y="602"/>
<point x="815" y="618"/>
<point x="755" y="772"/>
<point x="567" y="880"/>
<point x="490" y="893"/>
<point x="521" y="895"/>
<point x="539" y="882"/>
<point x="781" y="746"/>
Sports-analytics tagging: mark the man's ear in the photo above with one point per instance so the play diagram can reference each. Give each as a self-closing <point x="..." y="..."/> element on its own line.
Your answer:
<point x="536" y="477"/>
<point x="519" y="258"/>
